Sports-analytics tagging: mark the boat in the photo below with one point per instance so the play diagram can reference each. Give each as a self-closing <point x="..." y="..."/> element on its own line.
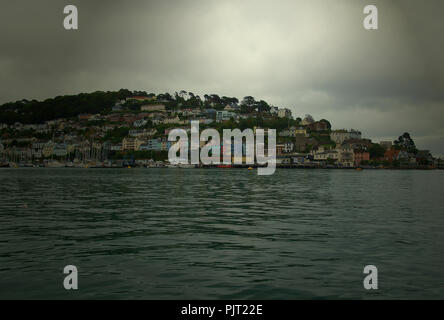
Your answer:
<point x="250" y="168"/>
<point x="55" y="164"/>
<point x="187" y="166"/>
<point x="358" y="169"/>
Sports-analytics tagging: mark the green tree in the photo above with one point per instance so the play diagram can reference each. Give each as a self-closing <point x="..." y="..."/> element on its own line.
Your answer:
<point x="405" y="142"/>
<point x="376" y="150"/>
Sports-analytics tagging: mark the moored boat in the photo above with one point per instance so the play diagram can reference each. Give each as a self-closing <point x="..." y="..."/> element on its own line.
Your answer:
<point x="54" y="164"/>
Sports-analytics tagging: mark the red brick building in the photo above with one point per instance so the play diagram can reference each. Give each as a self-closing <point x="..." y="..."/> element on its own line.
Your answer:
<point x="361" y="156"/>
<point x="391" y="155"/>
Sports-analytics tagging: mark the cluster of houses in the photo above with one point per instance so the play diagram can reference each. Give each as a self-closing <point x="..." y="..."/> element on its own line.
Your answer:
<point x="157" y="114"/>
<point x="350" y="150"/>
<point x="84" y="139"/>
<point x="411" y="160"/>
<point x="346" y="151"/>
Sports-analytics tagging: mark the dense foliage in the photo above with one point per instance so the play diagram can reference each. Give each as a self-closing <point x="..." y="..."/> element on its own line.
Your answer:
<point x="69" y="106"/>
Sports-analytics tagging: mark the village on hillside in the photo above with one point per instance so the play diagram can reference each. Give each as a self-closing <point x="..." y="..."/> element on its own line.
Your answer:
<point x="130" y="128"/>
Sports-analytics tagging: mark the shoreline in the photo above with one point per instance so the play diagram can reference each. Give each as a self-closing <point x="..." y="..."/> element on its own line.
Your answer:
<point x="287" y="167"/>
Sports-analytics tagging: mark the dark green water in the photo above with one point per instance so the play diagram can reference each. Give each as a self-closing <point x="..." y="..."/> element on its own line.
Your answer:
<point x="210" y="234"/>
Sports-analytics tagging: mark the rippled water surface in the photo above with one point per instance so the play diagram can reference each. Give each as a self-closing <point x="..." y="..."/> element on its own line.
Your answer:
<point x="209" y="234"/>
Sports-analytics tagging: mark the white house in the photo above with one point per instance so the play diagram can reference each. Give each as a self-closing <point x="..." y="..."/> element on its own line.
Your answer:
<point x="224" y="115"/>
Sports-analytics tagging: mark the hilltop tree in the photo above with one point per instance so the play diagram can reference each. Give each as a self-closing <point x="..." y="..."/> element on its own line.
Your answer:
<point x="140" y="93"/>
<point x="227" y="100"/>
<point x="248" y="104"/>
<point x="165" y="96"/>
<point x="326" y="122"/>
<point x="123" y="93"/>
<point x="68" y="106"/>
<point x="405" y="142"/>
<point x="308" y="118"/>
<point x="215" y="99"/>
<point x="263" y="106"/>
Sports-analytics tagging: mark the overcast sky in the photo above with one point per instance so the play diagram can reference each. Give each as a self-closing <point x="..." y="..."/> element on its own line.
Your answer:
<point x="311" y="56"/>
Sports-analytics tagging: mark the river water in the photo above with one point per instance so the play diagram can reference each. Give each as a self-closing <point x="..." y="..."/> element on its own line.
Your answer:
<point x="221" y="233"/>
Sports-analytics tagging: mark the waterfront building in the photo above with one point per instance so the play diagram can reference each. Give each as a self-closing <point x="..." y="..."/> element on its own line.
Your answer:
<point x="346" y="156"/>
<point x="300" y="159"/>
<point x="342" y="155"/>
<point x="361" y="156"/>
<point x="21" y="154"/>
<point x="406" y="159"/>
<point x="391" y="155"/>
<point x="60" y="150"/>
<point x="339" y="136"/>
<point x="325" y="154"/>
<point x="424" y="157"/>
<point x="151" y="145"/>
<point x="116" y="147"/>
<point x="131" y="144"/>
<point x="48" y="149"/>
<point x="280" y="149"/>
<point x="283" y="160"/>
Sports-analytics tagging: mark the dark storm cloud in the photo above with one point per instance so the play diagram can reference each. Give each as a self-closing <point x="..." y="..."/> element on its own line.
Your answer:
<point x="311" y="56"/>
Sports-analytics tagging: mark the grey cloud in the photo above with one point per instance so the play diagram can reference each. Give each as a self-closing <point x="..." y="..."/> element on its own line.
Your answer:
<point x="312" y="56"/>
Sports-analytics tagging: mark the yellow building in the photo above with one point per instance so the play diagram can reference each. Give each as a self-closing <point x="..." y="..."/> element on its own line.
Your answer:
<point x="131" y="144"/>
<point x="300" y="131"/>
